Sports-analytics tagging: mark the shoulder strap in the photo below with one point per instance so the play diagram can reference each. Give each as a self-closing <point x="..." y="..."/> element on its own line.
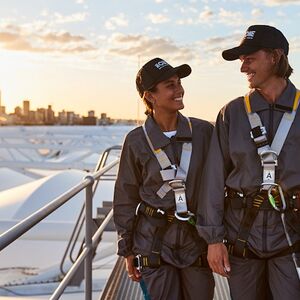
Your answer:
<point x="284" y="126"/>
<point x="185" y="159"/>
<point x="161" y="156"/>
<point x="258" y="131"/>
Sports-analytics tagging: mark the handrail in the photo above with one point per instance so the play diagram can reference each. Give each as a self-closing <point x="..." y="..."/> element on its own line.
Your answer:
<point x="80" y="220"/>
<point x="23" y="226"/>
<point x="85" y="251"/>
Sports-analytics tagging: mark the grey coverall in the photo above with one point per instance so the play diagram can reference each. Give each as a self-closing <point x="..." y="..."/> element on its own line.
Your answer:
<point x="233" y="163"/>
<point x="138" y="180"/>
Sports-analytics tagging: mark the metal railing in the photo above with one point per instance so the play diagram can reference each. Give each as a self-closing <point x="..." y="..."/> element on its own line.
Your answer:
<point x="90" y="241"/>
<point x="70" y="249"/>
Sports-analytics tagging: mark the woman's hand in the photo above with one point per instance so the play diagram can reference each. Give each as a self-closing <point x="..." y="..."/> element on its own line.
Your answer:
<point x="132" y="271"/>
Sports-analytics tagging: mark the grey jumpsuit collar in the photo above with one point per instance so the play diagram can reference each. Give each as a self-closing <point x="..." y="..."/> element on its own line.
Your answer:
<point x="158" y="139"/>
<point x="259" y="103"/>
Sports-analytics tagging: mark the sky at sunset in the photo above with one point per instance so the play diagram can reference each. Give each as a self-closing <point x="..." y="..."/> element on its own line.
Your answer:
<point x="82" y="55"/>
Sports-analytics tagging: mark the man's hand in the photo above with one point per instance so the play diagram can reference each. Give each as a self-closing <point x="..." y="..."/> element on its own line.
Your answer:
<point x="217" y="257"/>
<point x="132" y="271"/>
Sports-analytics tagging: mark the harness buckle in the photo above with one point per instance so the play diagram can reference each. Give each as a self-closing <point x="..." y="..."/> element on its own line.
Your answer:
<point x="177" y="184"/>
<point x="258" y="132"/>
<point x="178" y="187"/>
<point x="271" y="160"/>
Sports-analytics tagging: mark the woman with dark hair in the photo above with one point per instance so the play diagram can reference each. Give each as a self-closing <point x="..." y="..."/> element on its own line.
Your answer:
<point x="156" y="192"/>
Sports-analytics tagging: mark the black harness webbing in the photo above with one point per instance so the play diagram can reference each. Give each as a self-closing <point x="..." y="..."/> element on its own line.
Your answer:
<point x="153" y="260"/>
<point x="240" y="244"/>
<point x="163" y="220"/>
<point x="251" y="206"/>
<point x="235" y="201"/>
<point x="251" y="255"/>
<point x="293" y="219"/>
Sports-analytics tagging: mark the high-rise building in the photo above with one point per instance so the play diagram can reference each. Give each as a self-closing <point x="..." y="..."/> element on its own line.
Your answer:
<point x="70" y="117"/>
<point x="41" y="115"/>
<point x="91" y="113"/>
<point x="50" y="115"/>
<point x="103" y="116"/>
<point x="62" y="117"/>
<point x="2" y="108"/>
<point x="26" y="108"/>
<point x="18" y="111"/>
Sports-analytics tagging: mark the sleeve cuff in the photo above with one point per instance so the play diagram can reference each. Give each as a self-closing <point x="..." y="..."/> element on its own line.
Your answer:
<point x="212" y="234"/>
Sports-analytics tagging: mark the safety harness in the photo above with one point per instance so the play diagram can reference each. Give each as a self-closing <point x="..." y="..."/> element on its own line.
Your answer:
<point x="174" y="178"/>
<point x="270" y="190"/>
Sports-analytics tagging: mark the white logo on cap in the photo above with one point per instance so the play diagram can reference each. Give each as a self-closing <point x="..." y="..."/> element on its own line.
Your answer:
<point x="250" y="35"/>
<point x="159" y="65"/>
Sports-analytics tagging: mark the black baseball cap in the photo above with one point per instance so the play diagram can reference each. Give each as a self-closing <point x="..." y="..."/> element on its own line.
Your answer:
<point x="157" y="70"/>
<point x="258" y="37"/>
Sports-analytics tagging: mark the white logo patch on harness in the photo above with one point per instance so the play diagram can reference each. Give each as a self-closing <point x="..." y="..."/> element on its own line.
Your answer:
<point x="250" y="35"/>
<point x="161" y="64"/>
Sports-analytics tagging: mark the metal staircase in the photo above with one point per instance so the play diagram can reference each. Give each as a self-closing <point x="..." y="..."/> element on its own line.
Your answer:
<point x="119" y="286"/>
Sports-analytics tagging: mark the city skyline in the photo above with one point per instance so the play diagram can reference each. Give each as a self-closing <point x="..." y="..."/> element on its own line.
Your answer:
<point x="27" y="107"/>
<point x="82" y="55"/>
<point x="25" y="115"/>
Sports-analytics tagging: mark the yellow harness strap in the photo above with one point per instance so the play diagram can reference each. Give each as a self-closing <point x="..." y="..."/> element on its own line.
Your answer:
<point x="248" y="105"/>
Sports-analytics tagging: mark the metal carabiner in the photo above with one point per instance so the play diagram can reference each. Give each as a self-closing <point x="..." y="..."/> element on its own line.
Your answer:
<point x="139" y="265"/>
<point x="272" y="200"/>
<point x="185" y="218"/>
<point x="137" y="208"/>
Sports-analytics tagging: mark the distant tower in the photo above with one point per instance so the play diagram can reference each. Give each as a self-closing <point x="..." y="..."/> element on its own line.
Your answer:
<point x="26" y="108"/>
<point x="91" y="113"/>
<point x="18" y="111"/>
<point x="2" y="108"/>
<point x="50" y="115"/>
